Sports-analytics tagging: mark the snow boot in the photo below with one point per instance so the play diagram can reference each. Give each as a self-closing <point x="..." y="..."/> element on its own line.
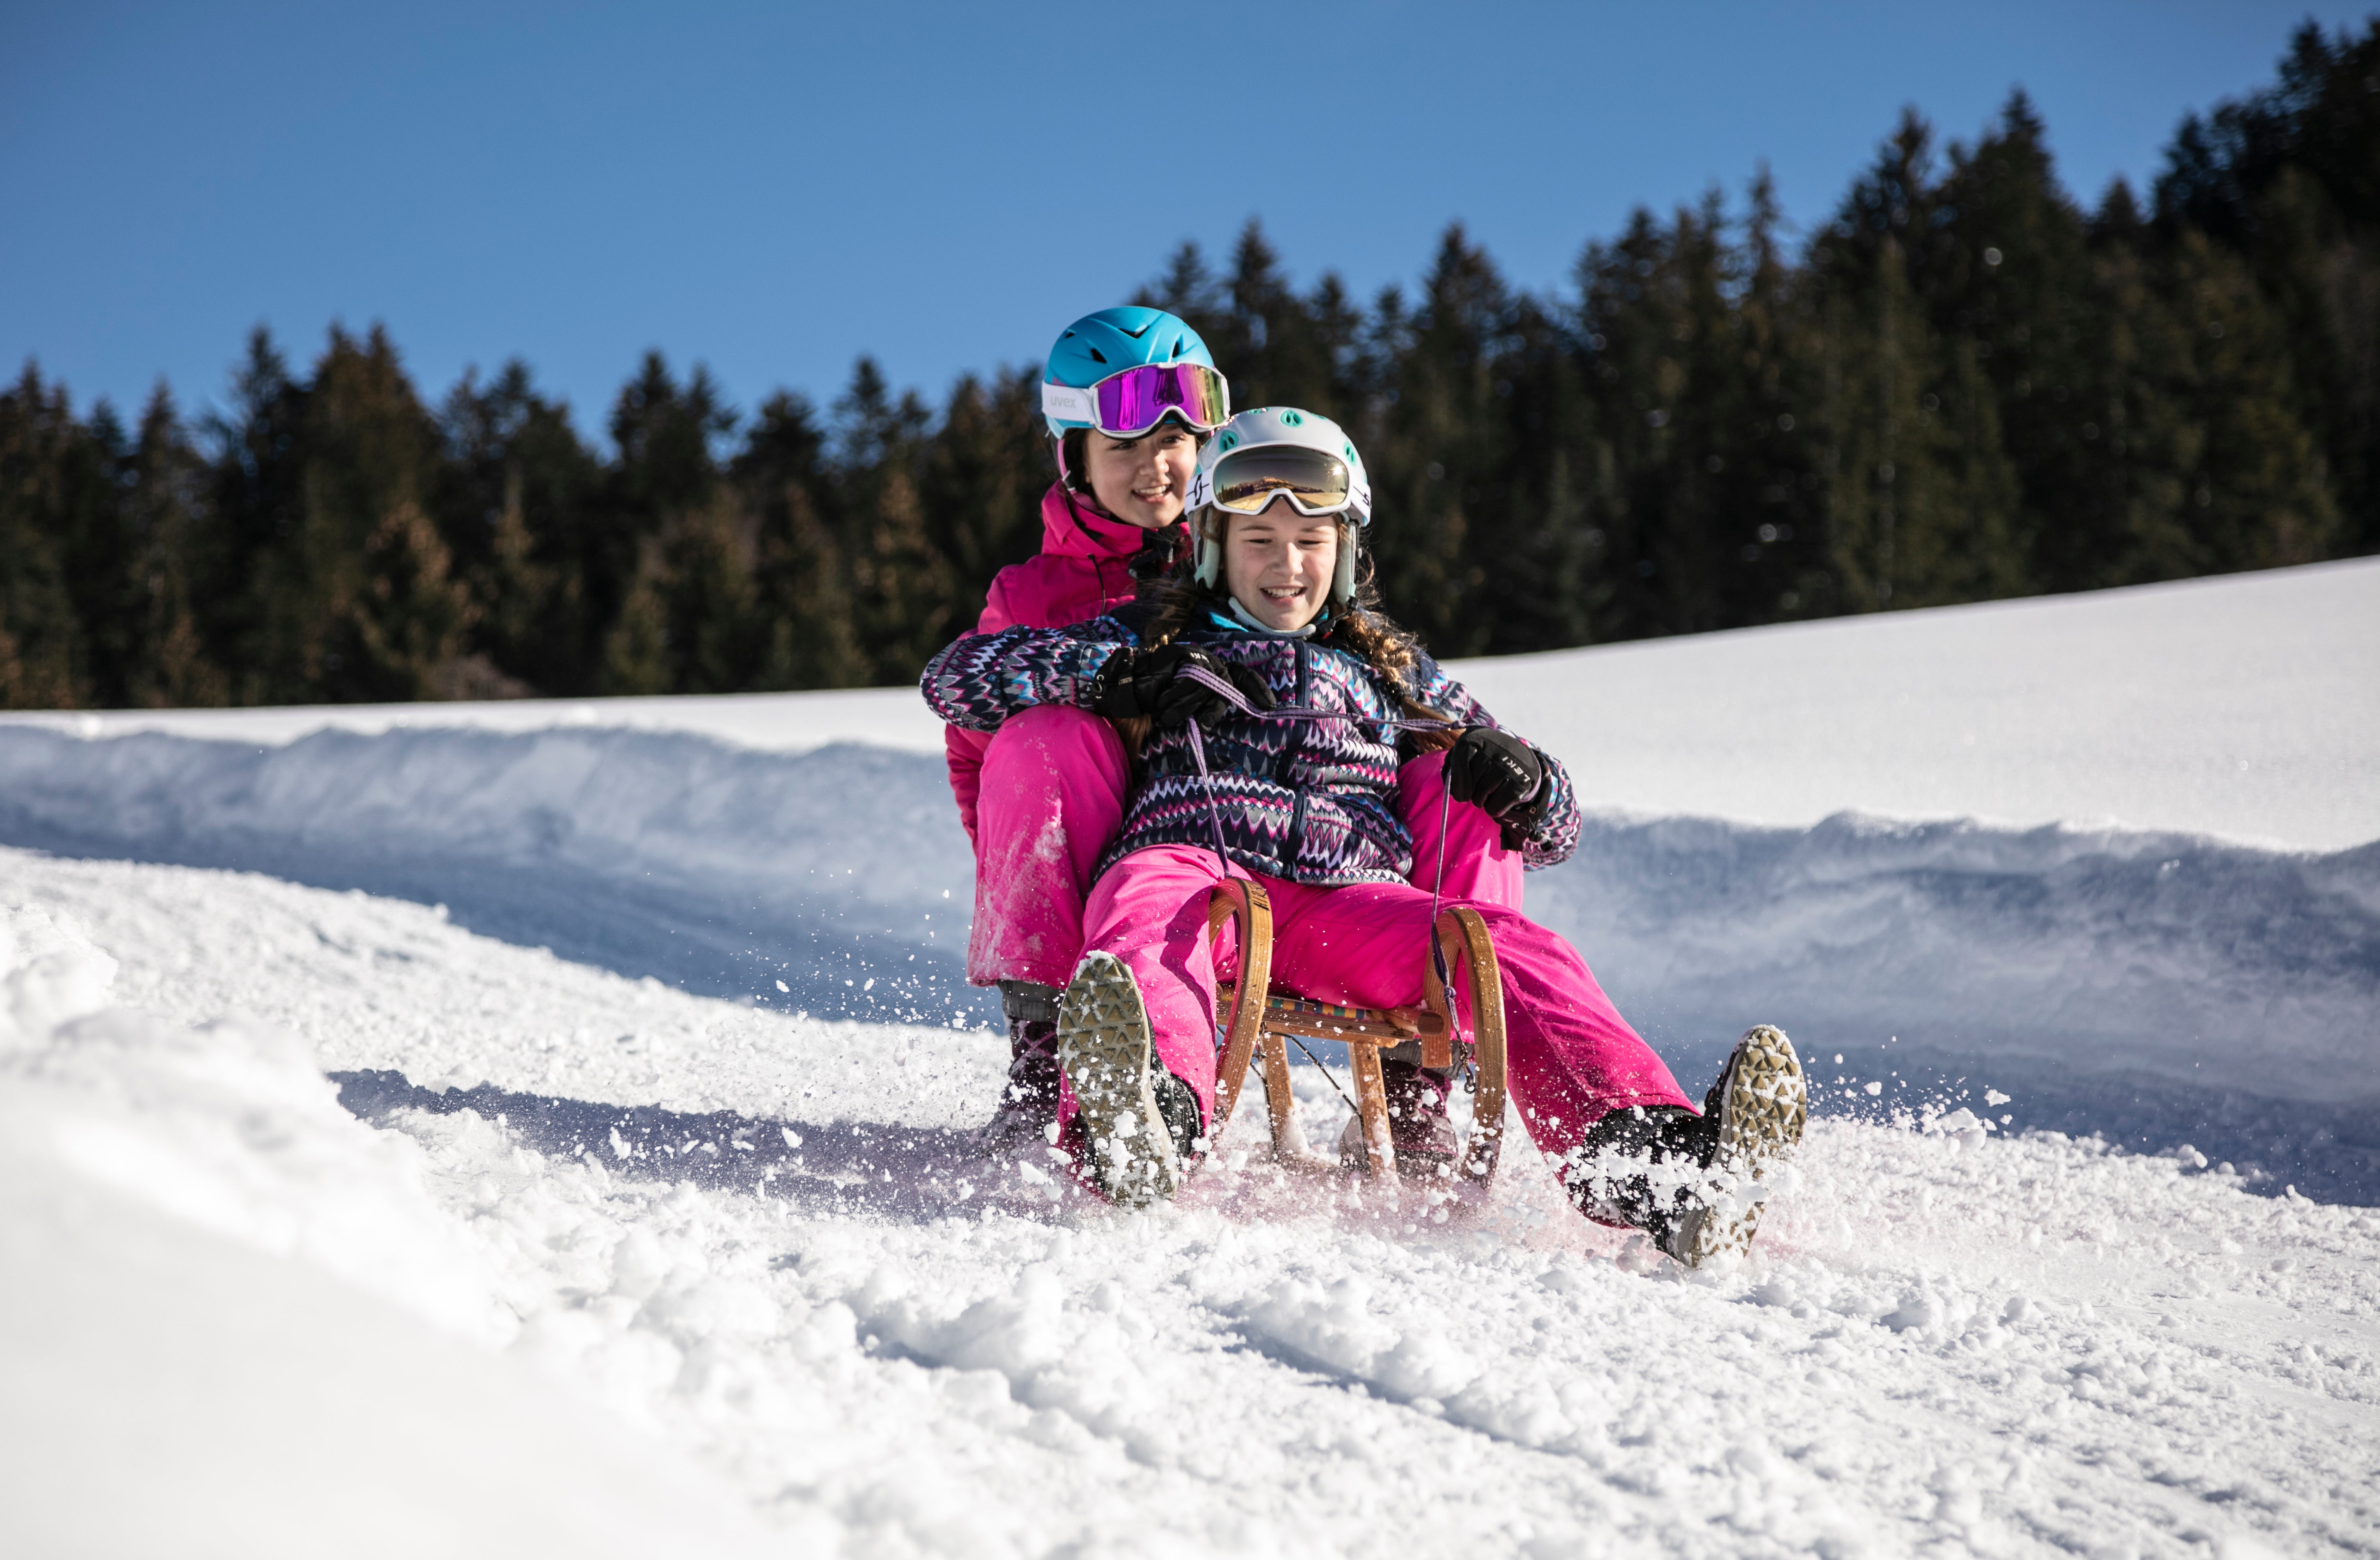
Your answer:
<point x="1139" y="1123"/>
<point x="1418" y="1129"/>
<point x="1694" y="1182"/>
<point x="1028" y="1103"/>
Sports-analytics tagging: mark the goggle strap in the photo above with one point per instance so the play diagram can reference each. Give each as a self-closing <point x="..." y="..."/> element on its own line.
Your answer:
<point x="1069" y="404"/>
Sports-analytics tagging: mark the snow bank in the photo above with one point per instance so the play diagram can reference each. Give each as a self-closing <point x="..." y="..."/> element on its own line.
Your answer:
<point x="893" y="717"/>
<point x="2242" y="706"/>
<point x="237" y="1323"/>
<point x="842" y="871"/>
<point x="2097" y="950"/>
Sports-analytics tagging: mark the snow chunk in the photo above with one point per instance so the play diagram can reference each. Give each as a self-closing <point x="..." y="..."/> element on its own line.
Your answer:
<point x="50" y="974"/>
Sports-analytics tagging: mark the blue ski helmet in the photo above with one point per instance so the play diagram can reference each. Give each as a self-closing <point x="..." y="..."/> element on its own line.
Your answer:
<point x="1112" y="340"/>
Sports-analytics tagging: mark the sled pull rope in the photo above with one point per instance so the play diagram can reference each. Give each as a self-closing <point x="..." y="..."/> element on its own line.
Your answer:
<point x="1214" y="807"/>
<point x="1326" y="1077"/>
<point x="1437" y="888"/>
<point x="1239" y="701"/>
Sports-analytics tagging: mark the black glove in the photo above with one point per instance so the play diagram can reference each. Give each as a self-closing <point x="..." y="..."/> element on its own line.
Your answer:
<point x="1139" y="683"/>
<point x="1500" y="774"/>
<point x="1159" y="551"/>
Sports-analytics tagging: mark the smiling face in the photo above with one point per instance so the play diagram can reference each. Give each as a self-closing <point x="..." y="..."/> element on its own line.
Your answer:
<point x="1142" y="481"/>
<point x="1279" y="564"/>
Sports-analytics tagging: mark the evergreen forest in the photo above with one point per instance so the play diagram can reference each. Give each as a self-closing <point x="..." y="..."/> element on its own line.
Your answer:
<point x="1964" y="385"/>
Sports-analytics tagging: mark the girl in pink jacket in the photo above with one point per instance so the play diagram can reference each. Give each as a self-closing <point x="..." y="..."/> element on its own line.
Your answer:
<point x="1128" y="395"/>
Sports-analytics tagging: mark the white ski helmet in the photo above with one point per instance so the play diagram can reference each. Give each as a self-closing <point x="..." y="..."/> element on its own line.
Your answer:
<point x="1271" y="453"/>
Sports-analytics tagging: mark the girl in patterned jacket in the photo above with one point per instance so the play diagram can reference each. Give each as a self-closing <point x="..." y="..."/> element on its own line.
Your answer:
<point x="1277" y="610"/>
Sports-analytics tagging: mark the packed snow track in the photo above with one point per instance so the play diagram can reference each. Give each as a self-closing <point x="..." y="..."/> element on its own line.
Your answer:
<point x="759" y="1242"/>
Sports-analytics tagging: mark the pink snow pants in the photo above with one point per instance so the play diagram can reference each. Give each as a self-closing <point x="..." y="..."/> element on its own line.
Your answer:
<point x="1053" y="790"/>
<point x="1052" y="796"/>
<point x="1571" y="1057"/>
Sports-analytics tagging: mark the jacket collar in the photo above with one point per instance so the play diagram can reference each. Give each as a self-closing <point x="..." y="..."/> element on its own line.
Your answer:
<point x="1071" y="528"/>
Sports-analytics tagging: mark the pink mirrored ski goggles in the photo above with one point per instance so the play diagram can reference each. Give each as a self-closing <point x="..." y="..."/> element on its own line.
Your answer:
<point x="1127" y="405"/>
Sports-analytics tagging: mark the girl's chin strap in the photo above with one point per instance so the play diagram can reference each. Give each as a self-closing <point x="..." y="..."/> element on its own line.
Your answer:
<point x="1248" y="619"/>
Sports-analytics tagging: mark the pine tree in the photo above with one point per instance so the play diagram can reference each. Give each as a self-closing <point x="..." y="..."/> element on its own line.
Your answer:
<point x="1622" y="334"/>
<point x="1284" y="350"/>
<point x="1681" y="347"/>
<point x="805" y="591"/>
<point x="2288" y="178"/>
<point x="984" y="472"/>
<point x="717" y="635"/>
<point x="48" y="470"/>
<point x="331" y="580"/>
<point x="1535" y="511"/>
<point x="173" y="543"/>
<point x="97" y="544"/>
<point x="905" y="595"/>
<point x="1685" y="338"/>
<point x="364" y="604"/>
<point x="2258" y="490"/>
<point x="256" y="477"/>
<point x="1921" y="500"/>
<point x="1444" y="444"/>
<point x="409" y="621"/>
<point x="2004" y="271"/>
<point x="637" y="650"/>
<point x="1681" y="513"/>
<point x="1187" y="287"/>
<point x="663" y="514"/>
<point x="1771" y="458"/>
<point x="1276" y="348"/>
<point x="518" y="493"/>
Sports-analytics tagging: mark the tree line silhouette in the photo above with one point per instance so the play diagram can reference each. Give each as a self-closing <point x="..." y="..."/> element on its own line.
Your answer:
<point x="1964" y="385"/>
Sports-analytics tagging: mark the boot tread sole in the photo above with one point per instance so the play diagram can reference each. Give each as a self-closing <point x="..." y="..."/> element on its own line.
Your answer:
<point x="1104" y="1047"/>
<point x="1764" y="1104"/>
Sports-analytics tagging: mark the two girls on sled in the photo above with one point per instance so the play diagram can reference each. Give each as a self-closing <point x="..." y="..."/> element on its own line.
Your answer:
<point x="1114" y="749"/>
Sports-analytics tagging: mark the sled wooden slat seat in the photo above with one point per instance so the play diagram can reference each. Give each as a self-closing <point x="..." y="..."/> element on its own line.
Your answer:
<point x="1256" y="1022"/>
<point x="1328" y="1020"/>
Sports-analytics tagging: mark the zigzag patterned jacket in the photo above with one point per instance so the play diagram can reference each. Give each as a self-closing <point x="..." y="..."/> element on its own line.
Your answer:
<point x="1313" y="802"/>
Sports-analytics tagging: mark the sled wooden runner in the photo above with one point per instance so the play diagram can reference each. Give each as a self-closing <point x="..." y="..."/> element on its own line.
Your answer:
<point x="1258" y="1022"/>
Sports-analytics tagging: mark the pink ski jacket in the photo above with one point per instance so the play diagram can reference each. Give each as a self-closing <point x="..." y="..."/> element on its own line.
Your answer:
<point x="1083" y="569"/>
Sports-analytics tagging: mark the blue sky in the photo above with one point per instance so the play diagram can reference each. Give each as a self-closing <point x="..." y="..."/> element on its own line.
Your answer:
<point x="775" y="190"/>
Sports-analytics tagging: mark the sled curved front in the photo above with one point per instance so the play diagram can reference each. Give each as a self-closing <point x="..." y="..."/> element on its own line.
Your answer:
<point x="1257" y="1020"/>
<point x="1463" y="930"/>
<point x="1243" y="905"/>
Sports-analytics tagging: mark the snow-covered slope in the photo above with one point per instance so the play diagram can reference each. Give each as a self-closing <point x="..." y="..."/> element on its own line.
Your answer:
<point x="597" y="1235"/>
<point x="2246" y="705"/>
<point x="758" y="1242"/>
